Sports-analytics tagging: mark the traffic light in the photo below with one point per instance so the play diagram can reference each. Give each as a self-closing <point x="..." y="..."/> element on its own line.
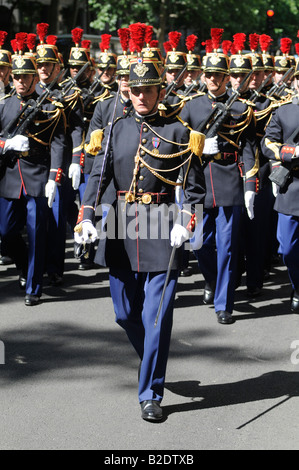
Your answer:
<point x="270" y="20"/>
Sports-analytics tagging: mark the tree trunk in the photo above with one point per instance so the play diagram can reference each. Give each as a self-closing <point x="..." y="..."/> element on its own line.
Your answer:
<point x="54" y="17"/>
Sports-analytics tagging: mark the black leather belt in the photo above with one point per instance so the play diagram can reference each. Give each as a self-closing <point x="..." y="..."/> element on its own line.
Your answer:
<point x="144" y="198"/>
<point x="228" y="158"/>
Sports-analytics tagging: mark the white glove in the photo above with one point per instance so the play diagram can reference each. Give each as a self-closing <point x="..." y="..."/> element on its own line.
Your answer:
<point x="179" y="235"/>
<point x="88" y="233"/>
<point x="249" y="203"/>
<point x="211" y="146"/>
<point x="275" y="189"/>
<point x="19" y="143"/>
<point x="75" y="175"/>
<point x="50" y="191"/>
<point x="297" y="151"/>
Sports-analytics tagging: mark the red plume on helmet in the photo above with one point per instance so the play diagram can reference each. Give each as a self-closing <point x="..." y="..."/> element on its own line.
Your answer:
<point x="42" y="31"/>
<point x="21" y="39"/>
<point x="226" y="46"/>
<point x="253" y="41"/>
<point x="154" y="43"/>
<point x="77" y="34"/>
<point x="31" y="40"/>
<point x="167" y="46"/>
<point x="191" y="41"/>
<point x="148" y="34"/>
<point x="124" y="38"/>
<point x="3" y="35"/>
<point x="216" y="35"/>
<point x="174" y="39"/>
<point x="51" y="40"/>
<point x="208" y="45"/>
<point x="239" y="41"/>
<point x="86" y="44"/>
<point x="105" y="42"/>
<point x="14" y="45"/>
<point x="137" y="34"/>
<point x="265" y="41"/>
<point x="297" y="48"/>
<point x="285" y="45"/>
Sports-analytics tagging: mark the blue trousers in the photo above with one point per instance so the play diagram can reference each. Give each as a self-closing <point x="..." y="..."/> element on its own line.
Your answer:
<point x="136" y="298"/>
<point x="34" y="213"/>
<point x="288" y="238"/>
<point x="217" y="259"/>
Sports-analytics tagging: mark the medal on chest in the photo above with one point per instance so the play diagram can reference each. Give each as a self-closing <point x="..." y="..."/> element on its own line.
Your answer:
<point x="156" y="143"/>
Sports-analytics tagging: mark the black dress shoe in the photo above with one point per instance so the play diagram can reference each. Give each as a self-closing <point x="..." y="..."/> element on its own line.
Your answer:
<point x="208" y="294"/>
<point x="31" y="300"/>
<point x="151" y="410"/>
<point x="186" y="272"/>
<point x="55" y="279"/>
<point x="5" y="261"/>
<point x="85" y="265"/>
<point x="295" y="303"/>
<point x="253" y="292"/>
<point x="224" y="317"/>
<point x="22" y="282"/>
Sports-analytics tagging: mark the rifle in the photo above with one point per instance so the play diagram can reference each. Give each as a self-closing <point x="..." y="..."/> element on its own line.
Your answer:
<point x="256" y="93"/>
<point x="172" y="86"/>
<point x="59" y="95"/>
<point x="23" y="120"/>
<point x="191" y="87"/>
<point x="221" y="112"/>
<point x="281" y="173"/>
<point x="282" y="82"/>
<point x="88" y="94"/>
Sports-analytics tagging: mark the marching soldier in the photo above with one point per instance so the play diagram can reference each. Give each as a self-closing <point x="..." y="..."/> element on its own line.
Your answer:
<point x="229" y="161"/>
<point x="280" y="145"/>
<point x="144" y="169"/>
<point x="34" y="166"/>
<point x="256" y="235"/>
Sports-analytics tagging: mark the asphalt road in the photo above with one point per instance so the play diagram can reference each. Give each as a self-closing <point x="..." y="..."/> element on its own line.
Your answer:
<point x="70" y="375"/>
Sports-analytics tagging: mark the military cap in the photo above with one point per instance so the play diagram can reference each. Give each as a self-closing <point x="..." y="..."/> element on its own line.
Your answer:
<point x="105" y="55"/>
<point x="79" y="54"/>
<point x="239" y="63"/>
<point x="282" y="63"/>
<point x="46" y="51"/>
<point x="5" y="56"/>
<point x="123" y="61"/>
<point x="22" y="63"/>
<point x="151" y="49"/>
<point x="194" y="62"/>
<point x="216" y="61"/>
<point x="143" y="71"/>
<point x="256" y="58"/>
<point x="268" y="59"/>
<point x="175" y="59"/>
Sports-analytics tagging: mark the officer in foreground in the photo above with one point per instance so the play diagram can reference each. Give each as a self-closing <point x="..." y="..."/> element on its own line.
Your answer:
<point x="145" y="168"/>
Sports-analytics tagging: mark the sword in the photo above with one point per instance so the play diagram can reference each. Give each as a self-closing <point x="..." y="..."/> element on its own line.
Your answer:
<point x="165" y="283"/>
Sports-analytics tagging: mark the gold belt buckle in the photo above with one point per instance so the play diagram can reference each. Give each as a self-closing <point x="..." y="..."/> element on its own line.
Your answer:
<point x="146" y="198"/>
<point x="129" y="197"/>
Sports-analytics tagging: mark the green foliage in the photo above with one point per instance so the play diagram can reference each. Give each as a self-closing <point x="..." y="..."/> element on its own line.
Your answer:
<point x="199" y="16"/>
